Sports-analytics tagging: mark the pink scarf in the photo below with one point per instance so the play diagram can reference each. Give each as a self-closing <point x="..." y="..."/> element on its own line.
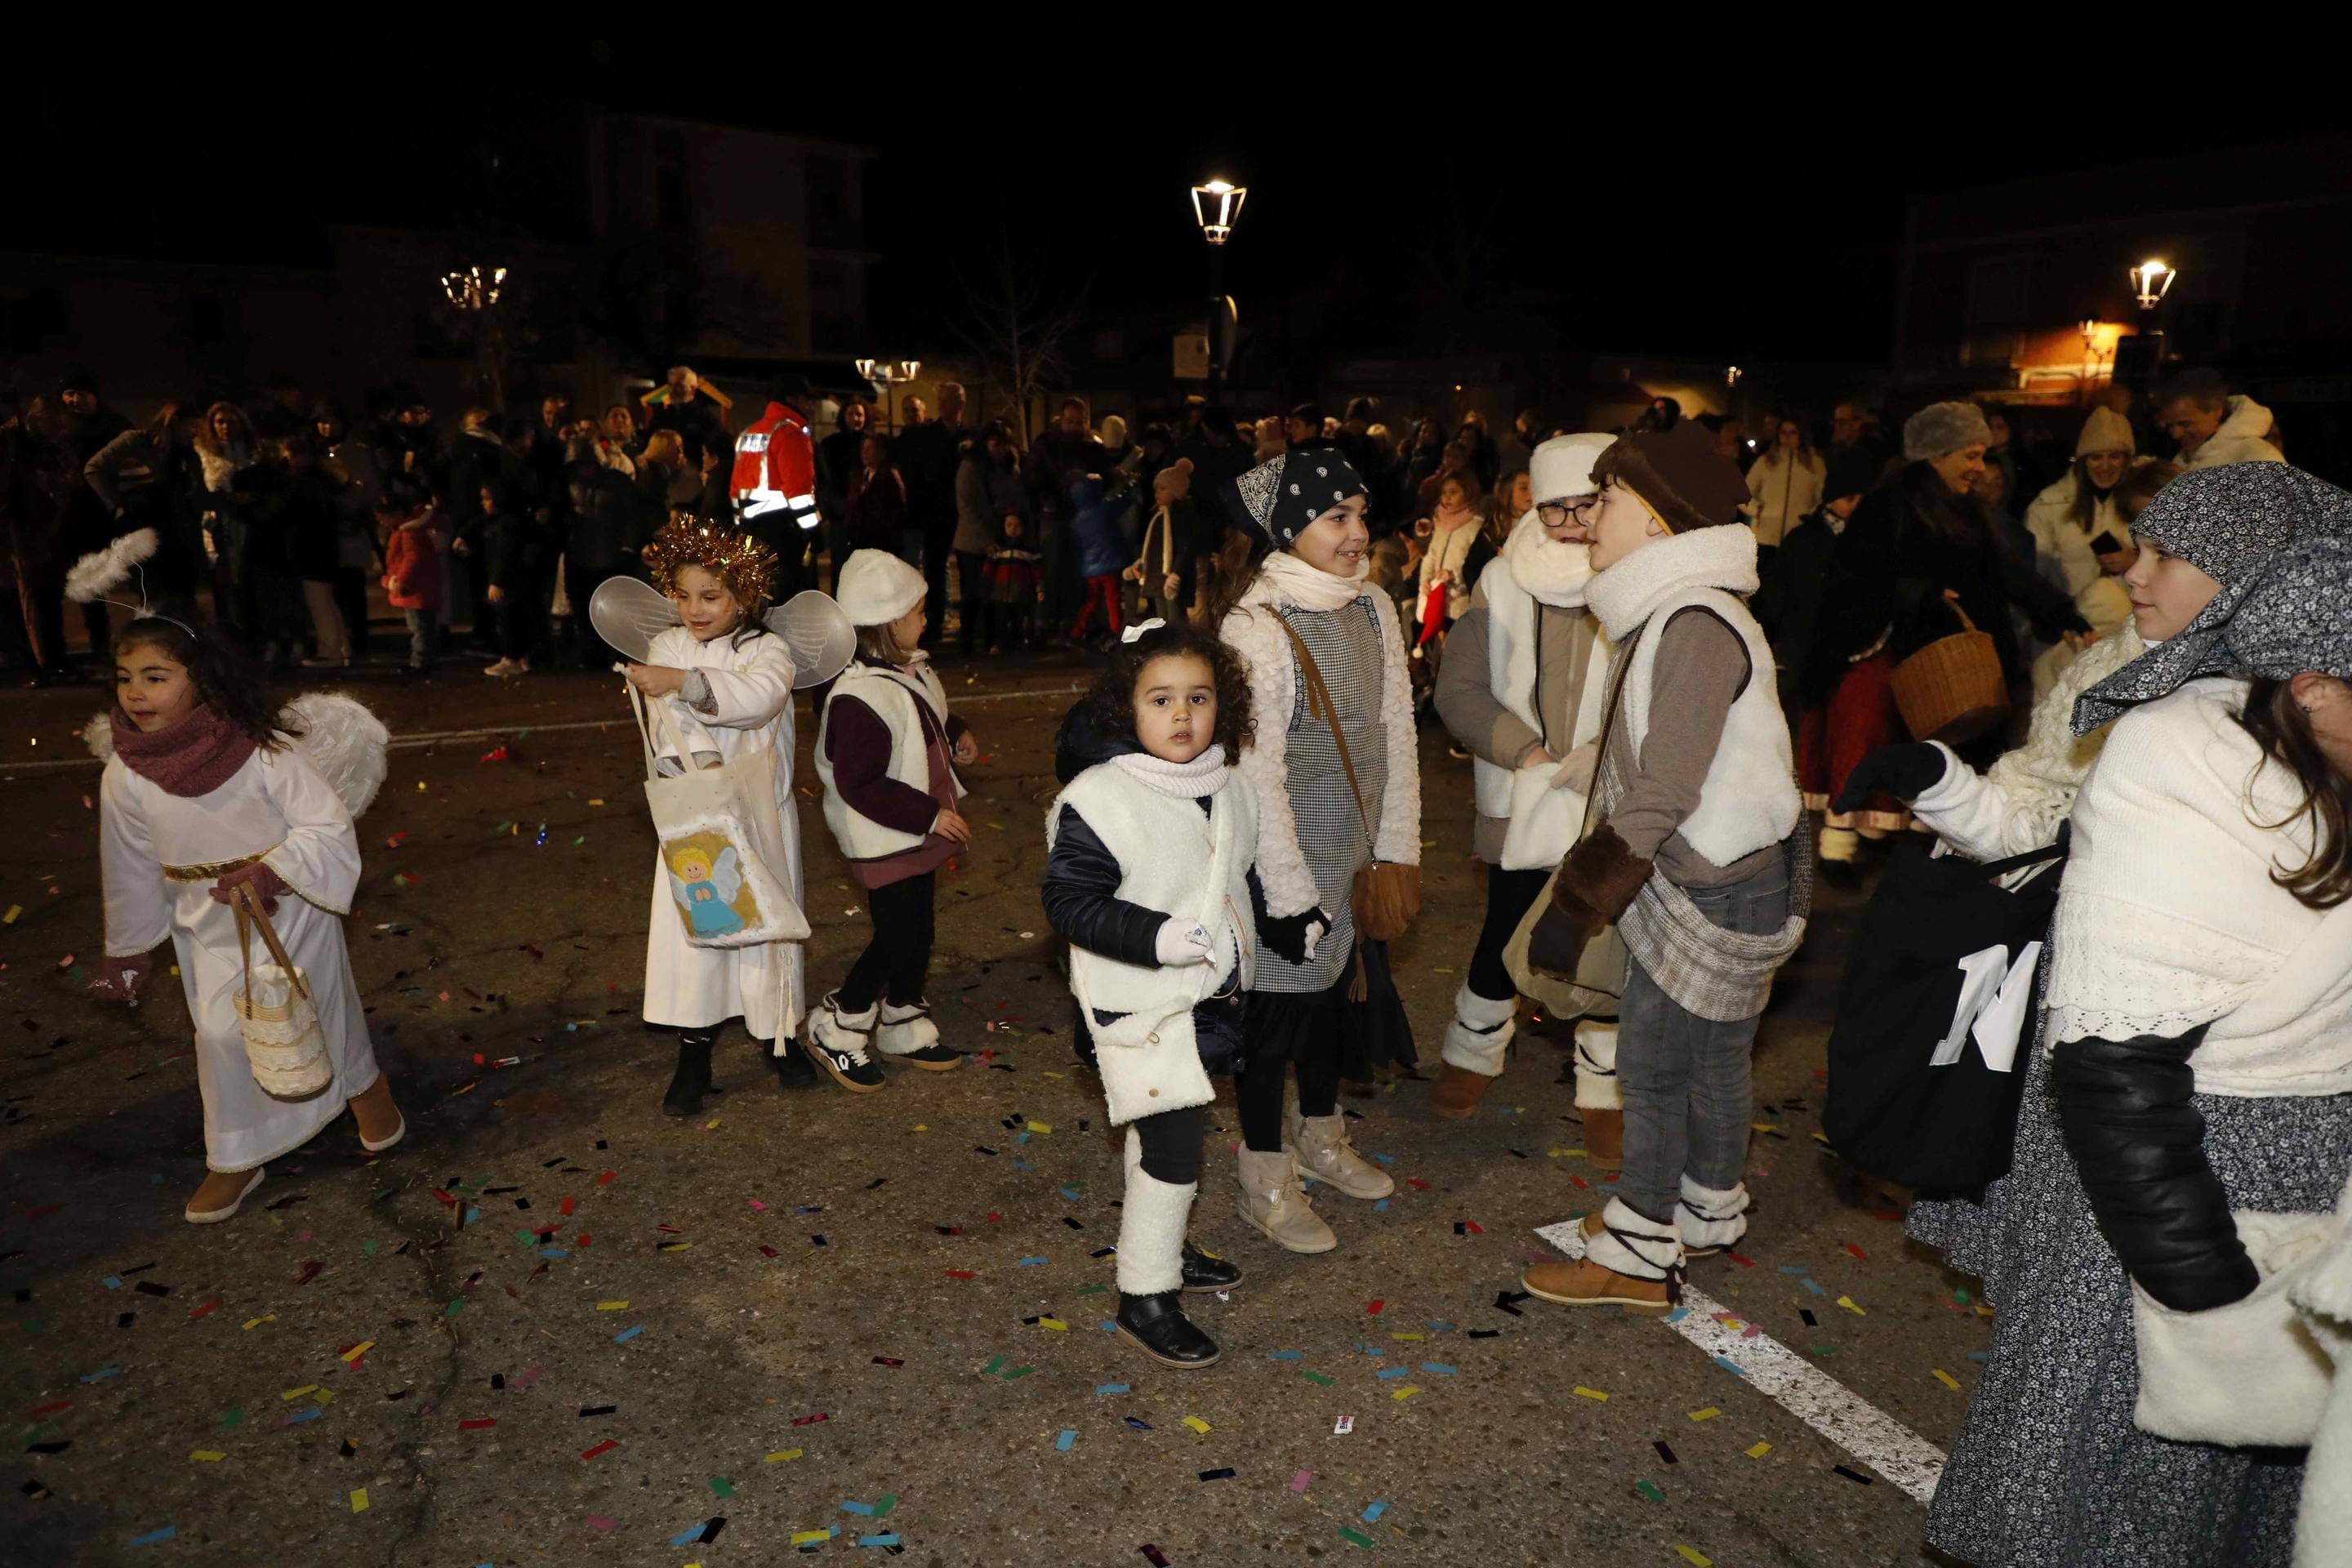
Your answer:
<point x="1445" y="521"/>
<point x="190" y="759"/>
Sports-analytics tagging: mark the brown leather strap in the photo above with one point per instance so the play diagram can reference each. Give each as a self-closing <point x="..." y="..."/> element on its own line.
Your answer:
<point x="250" y="914"/>
<point x="1318" y="696"/>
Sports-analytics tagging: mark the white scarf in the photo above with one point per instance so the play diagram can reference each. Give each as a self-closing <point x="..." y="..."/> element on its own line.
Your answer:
<point x="1204" y="774"/>
<point x="1555" y="571"/>
<point x="1294" y="582"/>
<point x="1624" y="594"/>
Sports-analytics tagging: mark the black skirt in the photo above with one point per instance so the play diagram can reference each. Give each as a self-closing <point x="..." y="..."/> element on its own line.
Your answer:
<point x="1366" y="1035"/>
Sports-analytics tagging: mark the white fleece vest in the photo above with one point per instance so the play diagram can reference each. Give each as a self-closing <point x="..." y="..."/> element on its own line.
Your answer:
<point x="1174" y="858"/>
<point x="1749" y="798"/>
<point x="892" y="696"/>
<point x="1512" y="629"/>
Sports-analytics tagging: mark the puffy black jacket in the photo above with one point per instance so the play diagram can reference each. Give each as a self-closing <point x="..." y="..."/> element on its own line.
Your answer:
<point x="2140" y="1141"/>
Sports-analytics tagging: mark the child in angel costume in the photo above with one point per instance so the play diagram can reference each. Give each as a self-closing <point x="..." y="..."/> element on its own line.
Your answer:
<point x="209" y="789"/>
<point x="717" y="682"/>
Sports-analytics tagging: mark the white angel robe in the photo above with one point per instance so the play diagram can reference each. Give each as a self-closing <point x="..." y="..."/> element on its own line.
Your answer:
<point x="277" y="807"/>
<point x="694" y="987"/>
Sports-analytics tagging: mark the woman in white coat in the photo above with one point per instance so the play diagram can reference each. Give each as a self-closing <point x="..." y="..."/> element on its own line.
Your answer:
<point x="1784" y="485"/>
<point x="718" y="687"/>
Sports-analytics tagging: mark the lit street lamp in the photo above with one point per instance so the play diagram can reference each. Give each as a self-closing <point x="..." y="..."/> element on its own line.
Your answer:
<point x="2151" y="281"/>
<point x="890" y="374"/>
<point x="476" y="292"/>
<point x="1216" y="205"/>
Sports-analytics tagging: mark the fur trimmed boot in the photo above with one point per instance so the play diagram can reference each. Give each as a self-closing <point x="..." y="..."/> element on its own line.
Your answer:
<point x="1477" y="1042"/>
<point x="1629" y="1261"/>
<point x="837" y="1042"/>
<point x="1598" y="1095"/>
<point x="1711" y="1221"/>
<point x="1276" y="1206"/>
<point x="1326" y="1153"/>
<point x="907" y="1032"/>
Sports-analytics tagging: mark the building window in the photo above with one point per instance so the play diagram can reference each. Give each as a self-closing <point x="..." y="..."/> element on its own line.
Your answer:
<point x="832" y="218"/>
<point x="673" y="183"/>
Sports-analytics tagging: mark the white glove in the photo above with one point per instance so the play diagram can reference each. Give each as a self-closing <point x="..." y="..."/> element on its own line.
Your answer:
<point x="1576" y="771"/>
<point x="1182" y="941"/>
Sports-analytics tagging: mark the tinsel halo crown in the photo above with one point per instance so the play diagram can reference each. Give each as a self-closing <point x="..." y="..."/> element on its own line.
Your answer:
<point x="747" y="566"/>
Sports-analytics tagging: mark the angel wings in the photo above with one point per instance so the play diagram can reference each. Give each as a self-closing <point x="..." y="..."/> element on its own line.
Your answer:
<point x="629" y="614"/>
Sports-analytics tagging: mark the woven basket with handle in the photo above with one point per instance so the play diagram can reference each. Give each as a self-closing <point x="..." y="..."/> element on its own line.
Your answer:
<point x="1953" y="690"/>
<point x="283" y="1042"/>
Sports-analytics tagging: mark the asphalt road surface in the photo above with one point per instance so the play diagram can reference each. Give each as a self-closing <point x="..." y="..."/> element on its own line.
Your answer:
<point x="554" y="1326"/>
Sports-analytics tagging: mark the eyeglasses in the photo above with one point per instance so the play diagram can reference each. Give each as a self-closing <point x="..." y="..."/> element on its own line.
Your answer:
<point x="1557" y="513"/>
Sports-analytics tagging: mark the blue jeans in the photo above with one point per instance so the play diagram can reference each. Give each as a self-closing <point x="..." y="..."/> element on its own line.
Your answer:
<point x="424" y="637"/>
<point x="1688" y="1104"/>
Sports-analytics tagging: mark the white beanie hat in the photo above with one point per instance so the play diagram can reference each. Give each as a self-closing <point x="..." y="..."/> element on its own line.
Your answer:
<point x="1563" y="466"/>
<point x="1942" y="428"/>
<point x="877" y="587"/>
<point x="2104" y="431"/>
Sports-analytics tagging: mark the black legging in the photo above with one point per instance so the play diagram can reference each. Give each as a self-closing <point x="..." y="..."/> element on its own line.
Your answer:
<point x="1172" y="1144"/>
<point x="1258" y="1090"/>
<point x="972" y="585"/>
<point x="896" y="961"/>
<point x="1508" y="894"/>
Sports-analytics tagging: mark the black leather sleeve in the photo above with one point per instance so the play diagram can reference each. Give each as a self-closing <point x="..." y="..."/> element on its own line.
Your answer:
<point x="2140" y="1145"/>
<point x="1081" y="898"/>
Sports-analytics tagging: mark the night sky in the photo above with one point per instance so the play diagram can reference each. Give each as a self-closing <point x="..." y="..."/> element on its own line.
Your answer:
<point x="1393" y="218"/>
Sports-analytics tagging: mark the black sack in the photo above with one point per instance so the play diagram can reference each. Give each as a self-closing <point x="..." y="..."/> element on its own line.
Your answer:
<point x="1945" y="1131"/>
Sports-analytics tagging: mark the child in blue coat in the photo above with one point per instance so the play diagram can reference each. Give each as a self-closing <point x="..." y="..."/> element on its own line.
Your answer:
<point x="1103" y="552"/>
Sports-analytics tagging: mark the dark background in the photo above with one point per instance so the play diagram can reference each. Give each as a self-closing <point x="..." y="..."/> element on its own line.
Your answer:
<point x="1743" y="222"/>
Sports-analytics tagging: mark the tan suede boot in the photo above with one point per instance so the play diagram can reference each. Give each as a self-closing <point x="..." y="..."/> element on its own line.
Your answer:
<point x="1604" y="1139"/>
<point x="1274" y="1205"/>
<point x="221" y="1195"/>
<point x="1457" y="1091"/>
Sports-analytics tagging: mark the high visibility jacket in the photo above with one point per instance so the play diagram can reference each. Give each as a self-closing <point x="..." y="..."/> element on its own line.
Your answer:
<point x="775" y="467"/>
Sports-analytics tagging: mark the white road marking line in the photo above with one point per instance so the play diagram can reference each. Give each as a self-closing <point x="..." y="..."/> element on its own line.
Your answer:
<point x="1908" y="1460"/>
<point x="508" y="731"/>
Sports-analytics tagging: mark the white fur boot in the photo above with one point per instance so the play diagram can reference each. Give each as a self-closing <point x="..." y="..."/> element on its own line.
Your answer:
<point x="1710" y="1221"/>
<point x="1596" y="1067"/>
<point x="1630" y="1244"/>
<point x="1150" y="1229"/>
<point x="1480" y="1034"/>
<point x="906" y="1031"/>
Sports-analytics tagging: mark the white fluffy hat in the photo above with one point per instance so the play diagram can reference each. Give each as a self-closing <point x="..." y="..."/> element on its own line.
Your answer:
<point x="1563" y="465"/>
<point x="877" y="587"/>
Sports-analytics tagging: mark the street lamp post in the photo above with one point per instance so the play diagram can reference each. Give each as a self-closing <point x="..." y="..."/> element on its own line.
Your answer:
<point x="891" y="374"/>
<point x="1216" y="205"/>
<point x="476" y="292"/>
<point x="2151" y="280"/>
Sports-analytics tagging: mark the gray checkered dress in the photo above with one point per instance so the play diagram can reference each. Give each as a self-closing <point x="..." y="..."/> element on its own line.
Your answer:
<point x="1346" y="645"/>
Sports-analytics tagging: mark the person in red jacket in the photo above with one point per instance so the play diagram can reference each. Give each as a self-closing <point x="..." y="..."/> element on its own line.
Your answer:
<point x="775" y="489"/>
<point x="411" y="578"/>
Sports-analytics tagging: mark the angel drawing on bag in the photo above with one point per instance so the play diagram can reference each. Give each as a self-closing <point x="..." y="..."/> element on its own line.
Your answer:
<point x="706" y="888"/>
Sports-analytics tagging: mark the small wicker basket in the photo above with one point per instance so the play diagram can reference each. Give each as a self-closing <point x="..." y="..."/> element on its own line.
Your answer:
<point x="283" y="1043"/>
<point x="1952" y="689"/>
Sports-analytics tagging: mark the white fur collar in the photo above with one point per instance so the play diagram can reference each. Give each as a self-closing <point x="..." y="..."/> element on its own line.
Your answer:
<point x="1555" y="572"/>
<point x="1625" y="594"/>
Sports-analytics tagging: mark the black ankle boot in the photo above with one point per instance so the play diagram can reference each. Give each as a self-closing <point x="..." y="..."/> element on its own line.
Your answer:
<point x="793" y="1070"/>
<point x="692" y="1079"/>
<point x="1158" y="1323"/>
<point x="1206" y="1271"/>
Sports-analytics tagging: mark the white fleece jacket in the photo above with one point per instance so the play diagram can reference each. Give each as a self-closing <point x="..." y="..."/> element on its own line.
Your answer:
<point x="1253" y="631"/>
